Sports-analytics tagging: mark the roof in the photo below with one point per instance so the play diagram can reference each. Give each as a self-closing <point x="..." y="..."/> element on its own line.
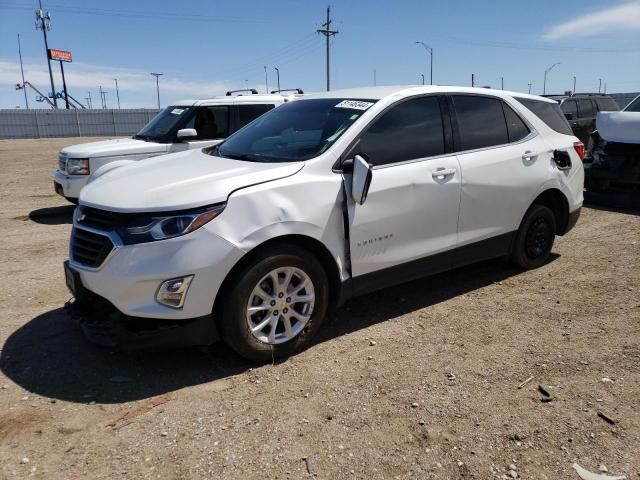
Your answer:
<point x="226" y="99"/>
<point x="377" y="93"/>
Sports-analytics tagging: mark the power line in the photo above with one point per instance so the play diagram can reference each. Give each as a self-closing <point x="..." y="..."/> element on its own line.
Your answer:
<point x="327" y="32"/>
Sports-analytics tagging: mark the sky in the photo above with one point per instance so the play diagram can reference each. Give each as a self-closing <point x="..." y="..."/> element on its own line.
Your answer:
<point x="205" y="47"/>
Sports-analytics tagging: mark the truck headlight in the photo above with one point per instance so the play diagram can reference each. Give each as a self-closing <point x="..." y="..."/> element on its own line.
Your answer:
<point x="141" y="229"/>
<point x="77" y="166"/>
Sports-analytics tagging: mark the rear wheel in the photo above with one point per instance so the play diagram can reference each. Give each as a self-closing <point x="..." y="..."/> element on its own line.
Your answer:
<point x="535" y="238"/>
<point x="276" y="304"/>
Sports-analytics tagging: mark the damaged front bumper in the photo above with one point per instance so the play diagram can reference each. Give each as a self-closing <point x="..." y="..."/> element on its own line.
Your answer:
<point x="103" y="324"/>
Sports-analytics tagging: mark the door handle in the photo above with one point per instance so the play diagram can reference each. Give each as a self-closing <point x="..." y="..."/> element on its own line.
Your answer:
<point x="529" y="155"/>
<point x="441" y="173"/>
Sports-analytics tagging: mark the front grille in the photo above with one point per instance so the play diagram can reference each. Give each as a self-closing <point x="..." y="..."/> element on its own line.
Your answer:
<point x="62" y="163"/>
<point x="101" y="219"/>
<point x="88" y="248"/>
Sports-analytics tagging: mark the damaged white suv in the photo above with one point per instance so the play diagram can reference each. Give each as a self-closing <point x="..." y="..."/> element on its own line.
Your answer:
<point x="321" y="199"/>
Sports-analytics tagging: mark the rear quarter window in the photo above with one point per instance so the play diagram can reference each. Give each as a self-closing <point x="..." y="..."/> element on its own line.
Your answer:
<point x="549" y="113"/>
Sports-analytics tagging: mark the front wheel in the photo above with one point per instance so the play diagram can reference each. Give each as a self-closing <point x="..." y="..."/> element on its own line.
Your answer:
<point x="275" y="304"/>
<point x="535" y="238"/>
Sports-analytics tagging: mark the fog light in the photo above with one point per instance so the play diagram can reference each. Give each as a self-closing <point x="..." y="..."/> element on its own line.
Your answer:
<point x="172" y="293"/>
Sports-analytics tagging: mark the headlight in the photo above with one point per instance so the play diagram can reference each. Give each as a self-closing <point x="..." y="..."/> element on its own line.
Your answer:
<point x="141" y="229"/>
<point x="77" y="166"/>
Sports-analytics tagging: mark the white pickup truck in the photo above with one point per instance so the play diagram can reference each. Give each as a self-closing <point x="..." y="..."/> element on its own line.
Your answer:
<point x="185" y="125"/>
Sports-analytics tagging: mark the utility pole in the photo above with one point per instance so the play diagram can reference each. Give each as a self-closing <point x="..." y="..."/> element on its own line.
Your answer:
<point x="430" y="50"/>
<point x="501" y="83"/>
<point x="327" y="32"/>
<point x="422" y="75"/>
<point x="157" y="75"/>
<point x="473" y="79"/>
<point x="26" y="101"/>
<point x="278" y="74"/>
<point x="43" y="22"/>
<point x="544" y="85"/>
<point x="530" y="84"/>
<point x="90" y="102"/>
<point x="117" y="93"/>
<point x="599" y="85"/>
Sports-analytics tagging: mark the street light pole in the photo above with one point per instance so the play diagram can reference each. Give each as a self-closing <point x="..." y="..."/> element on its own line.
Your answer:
<point x="544" y="85"/>
<point x="430" y="50"/>
<point x="157" y="75"/>
<point x="501" y="83"/>
<point x="117" y="93"/>
<point x="530" y="88"/>
<point x="422" y="75"/>
<point x="266" y="79"/>
<point x="574" y="85"/>
<point x="278" y="74"/>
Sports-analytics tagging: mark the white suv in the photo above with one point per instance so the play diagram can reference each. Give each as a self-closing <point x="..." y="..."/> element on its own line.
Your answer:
<point x="321" y="199"/>
<point x="187" y="125"/>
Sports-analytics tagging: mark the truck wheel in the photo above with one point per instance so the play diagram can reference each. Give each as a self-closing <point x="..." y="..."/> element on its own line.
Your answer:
<point x="275" y="305"/>
<point x="535" y="237"/>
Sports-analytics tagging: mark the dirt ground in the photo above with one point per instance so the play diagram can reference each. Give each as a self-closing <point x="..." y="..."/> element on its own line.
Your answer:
<point x="417" y="381"/>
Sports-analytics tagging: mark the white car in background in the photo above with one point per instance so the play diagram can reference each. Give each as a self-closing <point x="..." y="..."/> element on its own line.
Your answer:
<point x="183" y="126"/>
<point x="333" y="195"/>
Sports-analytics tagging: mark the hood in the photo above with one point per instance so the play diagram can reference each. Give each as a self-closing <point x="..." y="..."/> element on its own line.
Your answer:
<point x="623" y="127"/>
<point x="178" y="181"/>
<point x="111" y="148"/>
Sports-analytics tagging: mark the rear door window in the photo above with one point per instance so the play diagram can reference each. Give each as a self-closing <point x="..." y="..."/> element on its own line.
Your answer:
<point x="408" y="131"/>
<point x="607" y="104"/>
<point x="570" y="109"/>
<point x="248" y="113"/>
<point x="549" y="113"/>
<point x="481" y="122"/>
<point x="587" y="109"/>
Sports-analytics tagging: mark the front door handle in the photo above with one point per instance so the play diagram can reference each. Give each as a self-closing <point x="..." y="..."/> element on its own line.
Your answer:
<point x="529" y="155"/>
<point x="441" y="173"/>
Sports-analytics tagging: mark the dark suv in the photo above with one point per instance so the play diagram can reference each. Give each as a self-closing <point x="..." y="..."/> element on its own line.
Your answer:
<point x="581" y="109"/>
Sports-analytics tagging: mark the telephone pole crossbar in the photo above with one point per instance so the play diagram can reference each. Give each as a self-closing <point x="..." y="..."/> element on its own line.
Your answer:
<point x="327" y="32"/>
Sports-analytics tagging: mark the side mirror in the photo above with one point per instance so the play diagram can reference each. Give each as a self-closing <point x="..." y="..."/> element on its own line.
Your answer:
<point x="186" y="133"/>
<point x="568" y="116"/>
<point x="361" y="179"/>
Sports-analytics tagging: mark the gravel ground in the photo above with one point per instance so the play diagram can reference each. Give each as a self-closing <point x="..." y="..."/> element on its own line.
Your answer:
<point x="416" y="381"/>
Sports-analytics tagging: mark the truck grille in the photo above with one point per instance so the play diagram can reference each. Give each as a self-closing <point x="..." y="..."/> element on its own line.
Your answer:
<point x="102" y="219"/>
<point x="88" y="248"/>
<point x="62" y="163"/>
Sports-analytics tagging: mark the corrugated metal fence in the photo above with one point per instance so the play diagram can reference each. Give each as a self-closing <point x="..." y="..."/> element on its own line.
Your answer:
<point x="72" y="123"/>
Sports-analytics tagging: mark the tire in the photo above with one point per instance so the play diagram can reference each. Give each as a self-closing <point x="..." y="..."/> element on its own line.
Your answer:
<point x="535" y="238"/>
<point x="253" y="286"/>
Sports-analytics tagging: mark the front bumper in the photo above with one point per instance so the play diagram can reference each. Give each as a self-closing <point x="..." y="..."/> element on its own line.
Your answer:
<point x="104" y="325"/>
<point x="130" y="277"/>
<point x="70" y="185"/>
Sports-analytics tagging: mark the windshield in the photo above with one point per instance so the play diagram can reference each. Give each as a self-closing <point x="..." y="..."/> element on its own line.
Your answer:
<point x="633" y="106"/>
<point x="295" y="131"/>
<point x="163" y="123"/>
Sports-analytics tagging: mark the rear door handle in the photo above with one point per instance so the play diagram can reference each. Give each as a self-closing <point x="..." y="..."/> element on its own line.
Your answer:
<point x="529" y="155"/>
<point x="441" y="173"/>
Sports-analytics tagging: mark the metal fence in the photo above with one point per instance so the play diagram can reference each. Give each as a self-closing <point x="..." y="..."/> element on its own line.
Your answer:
<point x="72" y="123"/>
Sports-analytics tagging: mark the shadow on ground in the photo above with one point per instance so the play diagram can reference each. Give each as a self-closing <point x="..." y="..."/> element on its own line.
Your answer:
<point x="624" y="202"/>
<point x="53" y="215"/>
<point x="49" y="356"/>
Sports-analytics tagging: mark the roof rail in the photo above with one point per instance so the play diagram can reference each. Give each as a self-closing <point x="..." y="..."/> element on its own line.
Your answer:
<point x="252" y="90"/>
<point x="588" y="93"/>
<point x="297" y="90"/>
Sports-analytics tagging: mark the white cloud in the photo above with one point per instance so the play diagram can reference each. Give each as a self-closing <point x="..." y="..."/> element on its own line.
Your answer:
<point x="131" y="83"/>
<point x="625" y="16"/>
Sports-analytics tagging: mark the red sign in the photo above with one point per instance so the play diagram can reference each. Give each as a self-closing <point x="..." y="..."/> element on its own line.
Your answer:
<point x="61" y="55"/>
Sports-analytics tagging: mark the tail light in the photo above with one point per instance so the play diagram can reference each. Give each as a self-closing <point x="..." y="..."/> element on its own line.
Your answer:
<point x="579" y="148"/>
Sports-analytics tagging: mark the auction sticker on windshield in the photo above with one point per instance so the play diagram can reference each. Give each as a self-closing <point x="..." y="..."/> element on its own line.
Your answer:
<point x="354" y="104"/>
<point x="177" y="111"/>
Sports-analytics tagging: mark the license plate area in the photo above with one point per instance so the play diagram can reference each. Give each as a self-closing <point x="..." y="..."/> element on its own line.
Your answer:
<point x="72" y="279"/>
